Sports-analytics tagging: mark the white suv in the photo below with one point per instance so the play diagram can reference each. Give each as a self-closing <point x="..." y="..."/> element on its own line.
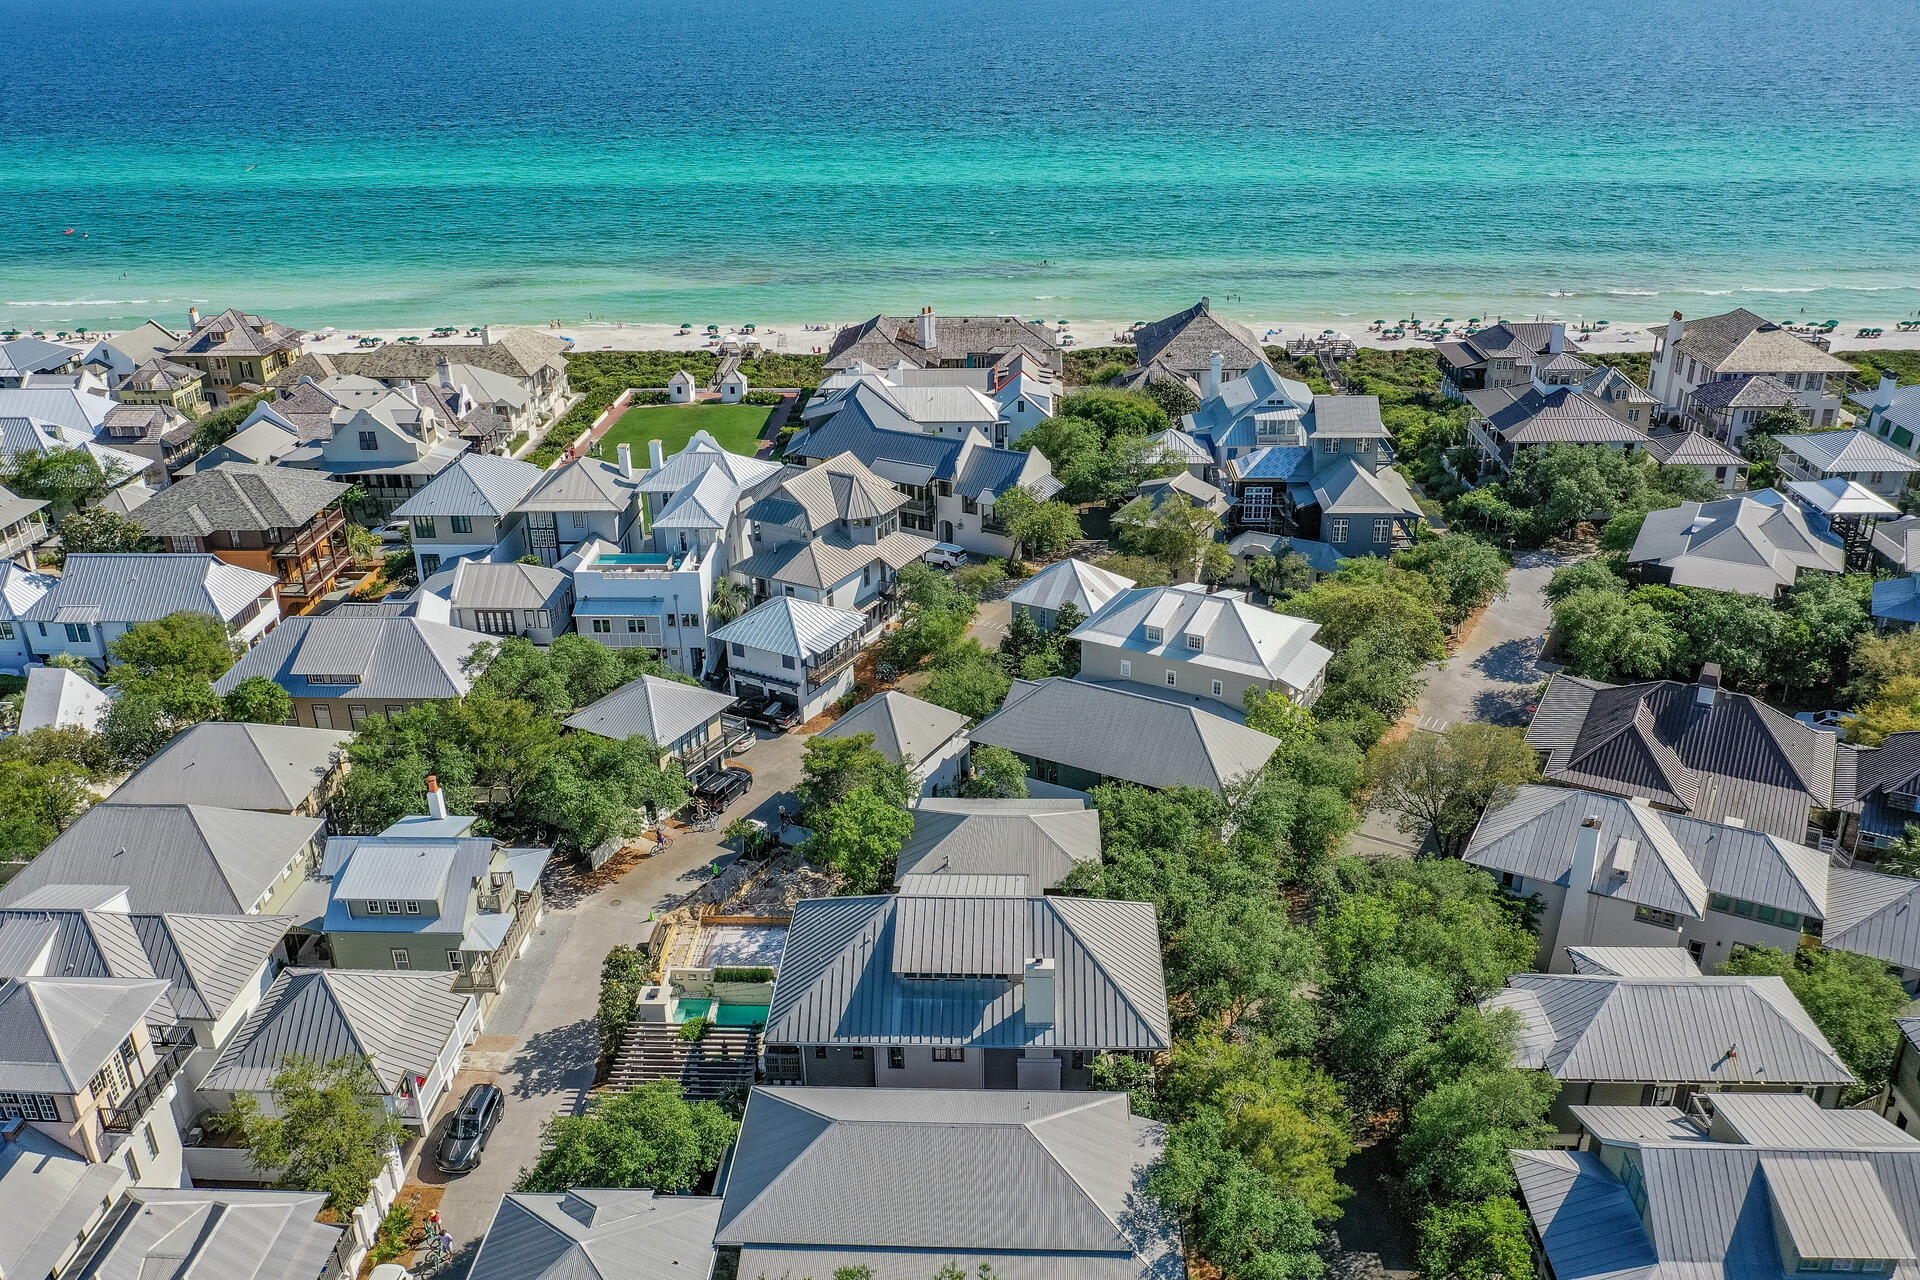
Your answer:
<point x="946" y="555"/>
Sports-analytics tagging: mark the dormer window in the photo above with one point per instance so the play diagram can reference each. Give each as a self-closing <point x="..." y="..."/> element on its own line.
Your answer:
<point x="393" y="907"/>
<point x="413" y="908"/>
<point x="1196" y="641"/>
<point x="1155" y="635"/>
<point x="373" y="908"/>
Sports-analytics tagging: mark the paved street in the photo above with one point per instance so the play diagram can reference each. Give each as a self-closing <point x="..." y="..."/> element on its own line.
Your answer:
<point x="1491" y="678"/>
<point x="540" y="1040"/>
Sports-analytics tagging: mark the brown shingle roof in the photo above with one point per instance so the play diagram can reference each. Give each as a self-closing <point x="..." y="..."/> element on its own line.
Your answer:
<point x="235" y="333"/>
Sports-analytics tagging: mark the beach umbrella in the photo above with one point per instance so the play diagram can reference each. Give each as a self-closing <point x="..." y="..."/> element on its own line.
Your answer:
<point x="686" y="324"/>
<point x="1326" y="333"/>
<point x="81" y="331"/>
<point x="713" y="328"/>
<point x="11" y="333"/>
<point x="1379" y="321"/>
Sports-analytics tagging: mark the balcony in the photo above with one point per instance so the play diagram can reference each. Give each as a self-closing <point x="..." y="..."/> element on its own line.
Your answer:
<point x="123" y="1116"/>
<point x="826" y="668"/>
<point x="329" y="527"/>
<point x="16" y="539"/>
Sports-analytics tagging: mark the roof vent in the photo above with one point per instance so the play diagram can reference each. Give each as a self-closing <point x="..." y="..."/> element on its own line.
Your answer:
<point x="1623" y="855"/>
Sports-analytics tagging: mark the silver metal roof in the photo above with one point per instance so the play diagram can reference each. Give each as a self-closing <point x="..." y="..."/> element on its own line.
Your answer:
<point x="237" y="766"/>
<point x="903" y="727"/>
<point x="1236" y="636"/>
<point x="593" y="1234"/>
<point x="791" y="626"/>
<point x="663" y="711"/>
<point x="1634" y="962"/>
<point x="52" y="1194"/>
<point x="953" y="838"/>
<point x="139" y="587"/>
<point x="475" y="485"/>
<point x="390" y="657"/>
<point x="207" y="960"/>
<point x="159" y="1232"/>
<point x="56" y="1032"/>
<point x="1073" y="582"/>
<point x="865" y="971"/>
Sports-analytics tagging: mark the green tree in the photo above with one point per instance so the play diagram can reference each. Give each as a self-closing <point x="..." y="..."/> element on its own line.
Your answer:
<point x="859" y="837"/>
<point x="967" y="679"/>
<point x="1396" y="609"/>
<point x="151" y="709"/>
<point x="1175" y="398"/>
<point x="326" y="1131"/>
<point x="1116" y="413"/>
<point x="623" y="975"/>
<point x="185" y="645"/>
<point x="646" y="1137"/>
<point x="1850" y="997"/>
<point x="37" y="802"/>
<point x="1278" y="716"/>
<point x="1740" y="632"/>
<point x="1235" y="1216"/>
<point x="592" y="789"/>
<point x="729" y="602"/>
<point x="1176" y="531"/>
<point x="1596" y="573"/>
<point x="1480" y="1240"/>
<point x="1282" y="573"/>
<point x="1880" y="658"/>
<point x="1459" y="1135"/>
<point x="1556" y="486"/>
<point x="97" y="529"/>
<point x="1829" y="613"/>
<point x="66" y="479"/>
<point x="997" y="775"/>
<point x="1443" y="781"/>
<point x="1438" y="914"/>
<point x="1606" y="636"/>
<point x="391" y="758"/>
<point x="257" y="700"/>
<point x="1465" y="571"/>
<point x="1036" y="527"/>
<point x="831" y="768"/>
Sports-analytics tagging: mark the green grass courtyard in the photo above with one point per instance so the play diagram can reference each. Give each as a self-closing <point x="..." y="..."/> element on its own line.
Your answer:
<point x="736" y="426"/>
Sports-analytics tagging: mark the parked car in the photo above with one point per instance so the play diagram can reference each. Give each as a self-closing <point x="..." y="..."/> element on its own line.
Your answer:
<point x="719" y="789"/>
<point x="772" y="712"/>
<point x="1833" y="721"/>
<point x="946" y="555"/>
<point x="394" y="532"/>
<point x="471" y="1126"/>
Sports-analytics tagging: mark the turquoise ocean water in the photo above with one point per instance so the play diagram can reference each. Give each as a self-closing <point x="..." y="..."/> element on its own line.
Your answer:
<point x="438" y="161"/>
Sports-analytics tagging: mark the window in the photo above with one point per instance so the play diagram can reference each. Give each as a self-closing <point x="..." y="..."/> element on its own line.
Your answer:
<point x="1154" y="635"/>
<point x="495" y="622"/>
<point x="819" y="1051"/>
<point x="1338" y="532"/>
<point x="6" y="631"/>
<point x="603" y="626"/>
<point x="1126" y="667"/>
<point x="461" y="524"/>
<point x="737" y="650"/>
<point x="1173" y="678"/>
<point x="636" y="626"/>
<point x="1383" y="529"/>
<point x="689" y="619"/>
<point x="355" y="715"/>
<point x="1218" y="689"/>
<point x="322" y="716"/>
<point x="1720" y="902"/>
<point x="1789" y="919"/>
<point x="1635" y="1183"/>
<point x="786" y="588"/>
<point x="453" y="960"/>
<point x="429" y="564"/>
<point x="373" y="907"/>
<point x="579" y="519"/>
<point x="969" y="506"/>
<point x="423" y="526"/>
<point x="786" y="661"/>
<point x="949" y="1055"/>
<point x="1698" y="950"/>
<point x="28" y="1106"/>
<point x="153" y="1143"/>
<point x="413" y="908"/>
<point x="401" y="960"/>
<point x="1329" y="446"/>
<point x="897" y="1057"/>
<point x="1653" y="915"/>
<point x="368" y="440"/>
<point x="393" y="906"/>
<point x="1196" y="641"/>
<point x="78" y="633"/>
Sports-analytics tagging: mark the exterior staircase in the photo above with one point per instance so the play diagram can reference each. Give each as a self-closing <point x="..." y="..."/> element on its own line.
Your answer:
<point x="720" y="1062"/>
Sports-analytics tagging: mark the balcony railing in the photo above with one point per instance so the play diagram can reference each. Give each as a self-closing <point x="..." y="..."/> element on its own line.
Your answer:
<point x="19" y="537"/>
<point x="833" y="664"/>
<point x="329" y="526"/>
<point x="123" y="1116"/>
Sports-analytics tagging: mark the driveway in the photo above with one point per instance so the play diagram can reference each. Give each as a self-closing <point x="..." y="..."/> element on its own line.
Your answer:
<point x="540" y="1041"/>
<point x="1490" y="677"/>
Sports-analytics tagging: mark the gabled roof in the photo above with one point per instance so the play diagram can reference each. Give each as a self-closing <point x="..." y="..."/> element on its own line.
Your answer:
<point x="1634" y="962"/>
<point x="1874" y="914"/>
<point x="1259" y="389"/>
<point x="477" y="484"/>
<point x="1736" y="544"/>
<point x="519" y="353"/>
<point x="160" y="424"/>
<point x="234" y="497"/>
<point x="792" y="626"/>
<point x="1731" y="757"/>
<point x="142" y="586"/>
<point x="403" y="1020"/>
<point x="939" y="970"/>
<point x="589" y="1234"/>
<point x="1070" y="581"/>
<point x="867" y="1176"/>
<point x="1178" y="444"/>
<point x="1694" y="1030"/>
<point x="662" y="711"/>
<point x="488" y="584"/>
<point x="1235" y="635"/>
<point x="904" y="728"/>
<point x="58" y="698"/>
<point x="1744" y="391"/>
<point x="1509" y="339"/>
<point x="832" y="557"/>
<point x="1836" y="496"/>
<point x="383" y="657"/>
<point x="1692" y="449"/>
<point x="33" y="355"/>
<point x="14" y="508"/>
<point x="162" y="1234"/>
<point x="161" y="374"/>
<point x="64" y="409"/>
<point x="235" y="333"/>
<point x="1196" y="490"/>
<point x="884" y="340"/>
<point x="1347" y="418"/>
<point x="840" y="488"/>
<point x="237" y="766"/>
<point x="701" y="456"/>
<point x="1187" y="340"/>
<point x="171" y="857"/>
<point x="1524" y="415"/>
<point x="1140" y="739"/>
<point x="1040" y="841"/>
<point x="1899" y="541"/>
<point x="55" y="1032"/>
<point x="585" y="484"/>
<point x="1347" y="488"/>
<point x="1897" y="599"/>
<point x="1848" y="452"/>
<point x="1739" y="341"/>
<point x="52" y="1194"/>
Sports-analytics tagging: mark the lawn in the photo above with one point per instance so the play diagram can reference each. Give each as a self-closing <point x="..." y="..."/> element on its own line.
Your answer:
<point x="736" y="426"/>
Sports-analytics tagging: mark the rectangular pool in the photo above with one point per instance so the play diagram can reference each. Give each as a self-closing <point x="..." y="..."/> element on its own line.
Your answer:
<point x="649" y="558"/>
<point x="727" y="1015"/>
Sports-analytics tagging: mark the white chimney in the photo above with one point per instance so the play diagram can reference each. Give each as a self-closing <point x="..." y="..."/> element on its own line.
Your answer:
<point x="1556" y="338"/>
<point x="1674" y="330"/>
<point x="926" y="328"/>
<point x="657" y="454"/>
<point x="1883" y="394"/>
<point x="466" y="400"/>
<point x="193" y="317"/>
<point x="436" y="800"/>
<point x="1572" y="930"/>
<point x="486" y="335"/>
<point x="1216" y="365"/>
<point x="445" y="370"/>
<point x="1039" y="992"/>
<point x="626" y="461"/>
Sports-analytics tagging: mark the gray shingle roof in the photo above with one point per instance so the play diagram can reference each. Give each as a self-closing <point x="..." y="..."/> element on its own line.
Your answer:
<point x="832" y="558"/>
<point x="521" y="353"/>
<point x="235" y="497"/>
<point x="477" y="484"/>
<point x="1186" y="341"/>
<point x="1739" y="341"/>
<point x="884" y="340"/>
<point x="1668" y="1030"/>
<point x="139" y="587"/>
<point x="587" y="1234"/>
<point x="1049" y="1179"/>
<point x="56" y="1032"/>
<point x="849" y="974"/>
<point x="1120" y="734"/>
<point x="1040" y="840"/>
<point x="171" y="857"/>
<point x="390" y="657"/>
<point x="237" y="766"/>
<point x="157" y="1233"/>
<point x="903" y="727"/>
<point x="663" y="711"/>
<point x="235" y="333"/>
<point x="404" y="1020"/>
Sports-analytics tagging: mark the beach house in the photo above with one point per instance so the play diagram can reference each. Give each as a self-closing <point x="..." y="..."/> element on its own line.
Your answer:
<point x="833" y="533"/>
<point x="466" y="512"/>
<point x="951" y="482"/>
<point x="645" y="600"/>
<point x="156" y="432"/>
<point x="505" y="598"/>
<point x="930" y="740"/>
<point x="114" y="358"/>
<point x="1003" y="400"/>
<point x="22" y="528"/>
<point x="683" y="720"/>
<point x="1756" y="546"/>
<point x="274" y="520"/>
<point x="1066" y="582"/>
<point x="1857" y="456"/>
<point x="234" y="349"/>
<point x="272" y="768"/>
<point x="1688" y="354"/>
<point x="1183" y="344"/>
<point x="1041" y="841"/>
<point x="1500" y="355"/>
<point x="795" y="650"/>
<point x="1700" y="453"/>
<point x="1554" y="406"/>
<point x="164" y="382"/>
<point x="1890" y="411"/>
<point x="99" y="597"/>
<point x="390" y="443"/>
<point x="532" y="360"/>
<point x="927" y="341"/>
<point x="696" y="501"/>
<point x="24" y="358"/>
<point x="588" y="498"/>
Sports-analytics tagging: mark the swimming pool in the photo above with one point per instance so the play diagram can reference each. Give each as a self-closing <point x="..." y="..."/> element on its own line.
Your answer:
<point x="727" y="1015"/>
<point x="636" y="558"/>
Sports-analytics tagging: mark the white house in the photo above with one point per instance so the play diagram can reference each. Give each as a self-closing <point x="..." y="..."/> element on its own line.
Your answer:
<point x="795" y="650"/>
<point x="99" y="597"/>
<point x="20" y="589"/>
<point x="1688" y="354"/>
<point x="681" y="388"/>
<point x="644" y="600"/>
<point x="930" y="740"/>
<point x="467" y="511"/>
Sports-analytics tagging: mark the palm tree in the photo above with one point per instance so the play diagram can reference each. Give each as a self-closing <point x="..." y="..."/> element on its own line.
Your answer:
<point x="729" y="601"/>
